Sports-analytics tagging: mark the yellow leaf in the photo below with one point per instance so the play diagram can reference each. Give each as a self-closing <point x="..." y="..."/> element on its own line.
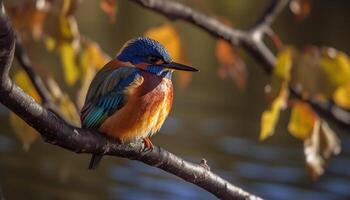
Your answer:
<point x="93" y="56"/>
<point x="283" y="64"/>
<point x="270" y="117"/>
<point x="50" y="43"/>
<point x="26" y="134"/>
<point x="168" y="36"/>
<point x="342" y="96"/>
<point x="281" y="73"/>
<point x="68" y="28"/>
<point x="23" y="81"/>
<point x="68" y="60"/>
<point x="68" y="7"/>
<point x="280" y="81"/>
<point x="318" y="148"/>
<point x="92" y="59"/>
<point x="85" y="83"/>
<point x="336" y="65"/>
<point x="62" y="100"/>
<point x="302" y="120"/>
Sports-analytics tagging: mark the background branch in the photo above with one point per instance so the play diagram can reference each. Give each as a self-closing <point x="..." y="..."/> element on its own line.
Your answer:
<point x="327" y="110"/>
<point x="24" y="61"/>
<point x="251" y="40"/>
<point x="55" y="130"/>
<point x="26" y="64"/>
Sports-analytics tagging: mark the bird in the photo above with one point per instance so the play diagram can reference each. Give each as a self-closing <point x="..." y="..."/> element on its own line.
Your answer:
<point x="131" y="96"/>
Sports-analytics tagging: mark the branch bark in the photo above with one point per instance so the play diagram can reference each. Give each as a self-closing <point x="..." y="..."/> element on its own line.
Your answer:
<point x="55" y="130"/>
<point x="251" y="40"/>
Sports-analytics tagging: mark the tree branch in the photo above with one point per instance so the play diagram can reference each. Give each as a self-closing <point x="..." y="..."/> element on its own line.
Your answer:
<point x="56" y="131"/>
<point x="251" y="40"/>
<point x="26" y="64"/>
<point x="177" y="11"/>
<point x="45" y="96"/>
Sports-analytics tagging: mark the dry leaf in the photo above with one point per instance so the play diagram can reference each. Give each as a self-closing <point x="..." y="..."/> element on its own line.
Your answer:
<point x="319" y="72"/>
<point x="30" y="16"/>
<point x="300" y="8"/>
<point x="308" y="75"/>
<point x="318" y="148"/>
<point x="110" y="8"/>
<point x="302" y="120"/>
<point x="232" y="66"/>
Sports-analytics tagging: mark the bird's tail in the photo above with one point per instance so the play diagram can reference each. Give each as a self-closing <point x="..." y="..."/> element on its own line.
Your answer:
<point x="95" y="160"/>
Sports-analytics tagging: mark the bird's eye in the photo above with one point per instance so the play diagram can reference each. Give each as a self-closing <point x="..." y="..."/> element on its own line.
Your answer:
<point x="152" y="59"/>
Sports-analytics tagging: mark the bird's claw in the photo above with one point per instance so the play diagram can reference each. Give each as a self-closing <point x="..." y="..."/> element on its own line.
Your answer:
<point x="148" y="144"/>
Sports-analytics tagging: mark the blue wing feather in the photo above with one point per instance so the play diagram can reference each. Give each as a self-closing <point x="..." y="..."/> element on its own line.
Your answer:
<point x="106" y="95"/>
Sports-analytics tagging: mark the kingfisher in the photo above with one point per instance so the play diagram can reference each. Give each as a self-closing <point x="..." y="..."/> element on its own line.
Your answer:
<point x="131" y="96"/>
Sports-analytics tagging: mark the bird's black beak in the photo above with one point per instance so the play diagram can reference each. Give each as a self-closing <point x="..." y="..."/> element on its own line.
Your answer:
<point x="178" y="66"/>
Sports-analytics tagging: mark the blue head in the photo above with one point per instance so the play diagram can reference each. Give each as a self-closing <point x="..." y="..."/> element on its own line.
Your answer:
<point x="143" y="49"/>
<point x="149" y="55"/>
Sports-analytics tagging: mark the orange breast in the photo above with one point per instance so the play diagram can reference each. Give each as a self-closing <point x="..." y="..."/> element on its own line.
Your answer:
<point x="144" y="112"/>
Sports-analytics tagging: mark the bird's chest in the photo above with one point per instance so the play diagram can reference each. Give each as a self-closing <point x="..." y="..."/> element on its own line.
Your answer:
<point x="154" y="99"/>
<point x="144" y="112"/>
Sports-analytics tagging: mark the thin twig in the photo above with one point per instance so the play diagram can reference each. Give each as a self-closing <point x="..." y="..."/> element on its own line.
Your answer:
<point x="271" y="13"/>
<point x="26" y="64"/>
<point x="45" y="96"/>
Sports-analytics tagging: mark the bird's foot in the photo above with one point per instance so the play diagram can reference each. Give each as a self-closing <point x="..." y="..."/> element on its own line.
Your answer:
<point x="148" y="144"/>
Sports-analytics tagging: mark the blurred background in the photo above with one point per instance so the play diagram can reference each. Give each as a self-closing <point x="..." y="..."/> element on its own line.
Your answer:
<point x="211" y="118"/>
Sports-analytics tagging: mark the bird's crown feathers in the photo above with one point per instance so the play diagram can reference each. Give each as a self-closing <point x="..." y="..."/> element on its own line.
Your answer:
<point x="138" y="49"/>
